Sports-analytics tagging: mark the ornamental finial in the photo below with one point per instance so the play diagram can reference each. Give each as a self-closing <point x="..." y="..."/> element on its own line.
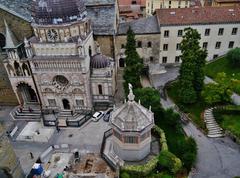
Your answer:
<point x="131" y="96"/>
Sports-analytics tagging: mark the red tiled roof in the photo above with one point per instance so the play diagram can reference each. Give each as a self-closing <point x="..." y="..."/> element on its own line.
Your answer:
<point x="129" y="2"/>
<point x="198" y="15"/>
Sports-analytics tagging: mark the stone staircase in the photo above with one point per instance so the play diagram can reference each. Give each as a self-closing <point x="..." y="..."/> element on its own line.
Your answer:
<point x="35" y="114"/>
<point x="214" y="130"/>
<point x="65" y="114"/>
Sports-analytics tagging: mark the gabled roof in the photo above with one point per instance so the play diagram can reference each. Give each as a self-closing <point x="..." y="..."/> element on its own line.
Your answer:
<point x="147" y="25"/>
<point x="198" y="15"/>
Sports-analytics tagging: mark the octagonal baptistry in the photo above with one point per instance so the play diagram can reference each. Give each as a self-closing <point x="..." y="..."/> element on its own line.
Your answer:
<point x="132" y="124"/>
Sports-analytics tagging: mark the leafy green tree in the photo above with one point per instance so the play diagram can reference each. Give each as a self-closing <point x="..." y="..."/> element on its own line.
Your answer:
<point x="149" y="97"/>
<point x="169" y="161"/>
<point x="187" y="152"/>
<point x="234" y="57"/>
<point x="192" y="67"/>
<point x="134" y="64"/>
<point x="220" y="91"/>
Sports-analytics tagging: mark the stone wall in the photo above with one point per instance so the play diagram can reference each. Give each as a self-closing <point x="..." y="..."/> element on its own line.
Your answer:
<point x="21" y="29"/>
<point x="8" y="159"/>
<point x="149" y="54"/>
<point x="7" y="96"/>
<point x="18" y="26"/>
<point x="106" y="45"/>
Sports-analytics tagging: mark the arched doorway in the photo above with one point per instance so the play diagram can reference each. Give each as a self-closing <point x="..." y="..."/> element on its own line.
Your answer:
<point x="66" y="104"/>
<point x="26" y="94"/>
<point x="121" y="62"/>
<point x="2" y="42"/>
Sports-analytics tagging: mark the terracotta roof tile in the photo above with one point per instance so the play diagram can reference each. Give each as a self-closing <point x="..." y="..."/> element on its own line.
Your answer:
<point x="129" y="2"/>
<point x="198" y="15"/>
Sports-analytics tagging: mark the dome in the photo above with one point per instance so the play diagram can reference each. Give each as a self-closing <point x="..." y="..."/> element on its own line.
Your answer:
<point x="99" y="61"/>
<point x="132" y="116"/>
<point x="58" y="11"/>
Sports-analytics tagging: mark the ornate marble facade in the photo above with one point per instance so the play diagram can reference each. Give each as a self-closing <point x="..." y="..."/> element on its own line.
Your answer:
<point x="54" y="69"/>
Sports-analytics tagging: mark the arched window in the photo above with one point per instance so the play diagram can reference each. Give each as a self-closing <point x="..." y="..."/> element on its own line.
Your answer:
<point x="90" y="51"/>
<point x="17" y="68"/>
<point x="100" y="91"/>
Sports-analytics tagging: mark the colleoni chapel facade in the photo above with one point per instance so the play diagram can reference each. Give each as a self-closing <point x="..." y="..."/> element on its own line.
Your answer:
<point x="61" y="66"/>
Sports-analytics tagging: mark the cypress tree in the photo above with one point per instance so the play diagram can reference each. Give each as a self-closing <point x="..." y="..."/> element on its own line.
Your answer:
<point x="134" y="64"/>
<point x="192" y="67"/>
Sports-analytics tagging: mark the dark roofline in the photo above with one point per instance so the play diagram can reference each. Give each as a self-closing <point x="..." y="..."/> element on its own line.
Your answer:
<point x="14" y="13"/>
<point x="123" y="34"/>
<point x="210" y="23"/>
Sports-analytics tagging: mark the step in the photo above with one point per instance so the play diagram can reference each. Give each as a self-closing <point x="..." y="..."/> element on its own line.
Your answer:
<point x="214" y="132"/>
<point x="214" y="129"/>
<point x="209" y="119"/>
<point x="215" y="135"/>
<point x="211" y="122"/>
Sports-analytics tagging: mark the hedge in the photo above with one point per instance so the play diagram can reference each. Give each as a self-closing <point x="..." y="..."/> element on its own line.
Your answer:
<point x="163" y="140"/>
<point x="146" y="169"/>
<point x="228" y="109"/>
<point x="141" y="170"/>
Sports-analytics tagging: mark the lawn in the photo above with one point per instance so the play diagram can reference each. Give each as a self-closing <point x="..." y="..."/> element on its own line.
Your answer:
<point x="222" y="65"/>
<point x="194" y="110"/>
<point x="231" y="123"/>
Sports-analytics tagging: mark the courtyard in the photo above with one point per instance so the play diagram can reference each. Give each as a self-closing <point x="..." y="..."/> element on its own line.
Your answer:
<point x="87" y="139"/>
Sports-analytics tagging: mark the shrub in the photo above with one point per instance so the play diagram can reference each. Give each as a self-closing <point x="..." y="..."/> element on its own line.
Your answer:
<point x="169" y="161"/>
<point x="234" y="57"/>
<point x="163" y="140"/>
<point x="141" y="170"/>
<point x="125" y="175"/>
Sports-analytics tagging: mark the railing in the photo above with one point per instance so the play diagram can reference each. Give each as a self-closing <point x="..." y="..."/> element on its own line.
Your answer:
<point x="80" y="122"/>
<point x="107" y="134"/>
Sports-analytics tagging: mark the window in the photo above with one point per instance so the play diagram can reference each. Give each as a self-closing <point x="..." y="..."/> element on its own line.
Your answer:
<point x="149" y="44"/>
<point x="164" y="59"/>
<point x="165" y="47"/>
<point x="139" y="44"/>
<point x="215" y="56"/>
<point x="178" y="46"/>
<point x="166" y="33"/>
<point x="220" y="31"/>
<point x="122" y="46"/>
<point x="180" y="32"/>
<point x="205" y="45"/>
<point x="90" y="51"/>
<point x="52" y="102"/>
<point x="130" y="139"/>
<point x="79" y="102"/>
<point x="218" y="45"/>
<point x="151" y="59"/>
<point x="231" y="44"/>
<point x="207" y="32"/>
<point x="117" y="135"/>
<point x="134" y="2"/>
<point x="144" y="136"/>
<point x="234" y="31"/>
<point x="177" y="59"/>
<point x="100" y="91"/>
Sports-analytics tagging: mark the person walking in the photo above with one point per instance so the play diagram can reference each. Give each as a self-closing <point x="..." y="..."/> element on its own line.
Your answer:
<point x="31" y="155"/>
